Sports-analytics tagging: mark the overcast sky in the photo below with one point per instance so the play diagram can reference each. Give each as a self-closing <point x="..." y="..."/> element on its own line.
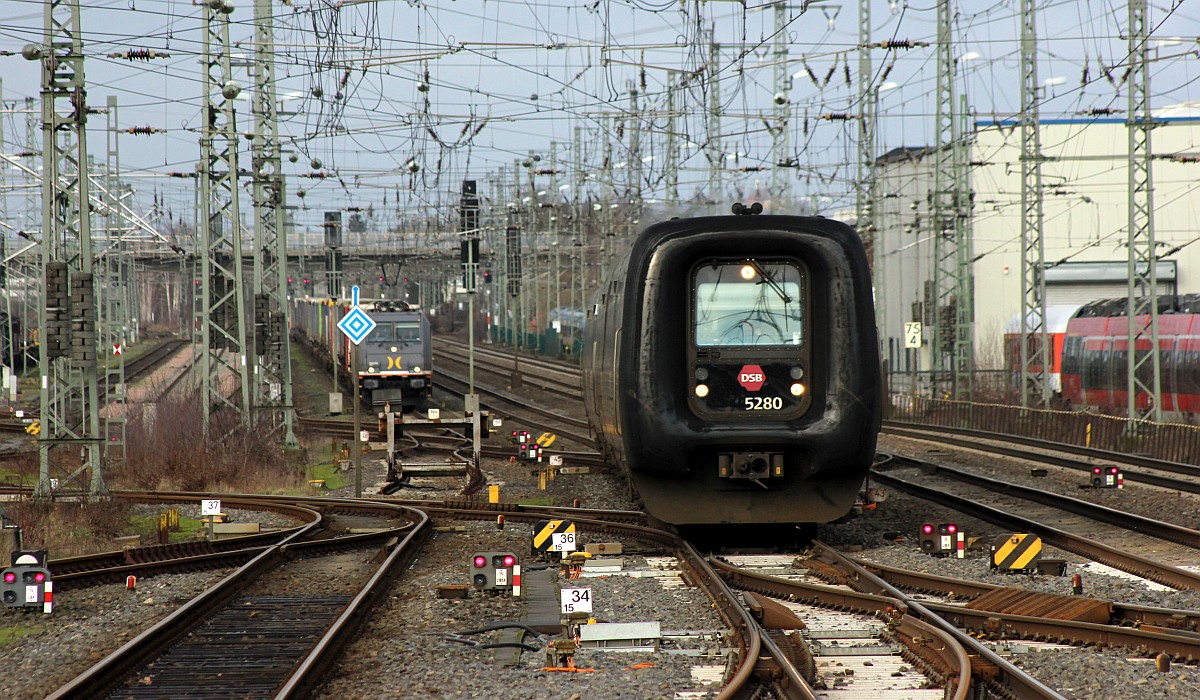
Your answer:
<point x="505" y="77"/>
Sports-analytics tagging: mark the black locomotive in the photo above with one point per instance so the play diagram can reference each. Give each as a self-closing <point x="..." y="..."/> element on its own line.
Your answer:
<point x="731" y="367"/>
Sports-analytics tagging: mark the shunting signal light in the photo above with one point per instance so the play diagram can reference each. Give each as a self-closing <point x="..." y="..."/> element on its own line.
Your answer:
<point x="944" y="539"/>
<point x="492" y="571"/>
<point x="10" y="577"/>
<point x="1107" y="478"/>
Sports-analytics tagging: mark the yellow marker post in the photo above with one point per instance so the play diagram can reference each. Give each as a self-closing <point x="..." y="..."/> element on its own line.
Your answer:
<point x="542" y="480"/>
<point x="494" y="493"/>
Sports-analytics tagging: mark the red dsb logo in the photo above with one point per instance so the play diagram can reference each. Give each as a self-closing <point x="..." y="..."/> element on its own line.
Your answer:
<point x="751" y="377"/>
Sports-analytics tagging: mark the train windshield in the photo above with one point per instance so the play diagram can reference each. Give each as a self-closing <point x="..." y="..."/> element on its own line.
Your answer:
<point x="398" y="332"/>
<point x="749" y="303"/>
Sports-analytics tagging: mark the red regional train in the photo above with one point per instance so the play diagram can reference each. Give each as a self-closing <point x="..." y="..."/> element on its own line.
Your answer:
<point x="1092" y="354"/>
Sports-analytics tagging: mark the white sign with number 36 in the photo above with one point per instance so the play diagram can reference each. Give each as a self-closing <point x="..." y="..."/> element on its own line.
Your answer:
<point x="576" y="600"/>
<point x="562" y="542"/>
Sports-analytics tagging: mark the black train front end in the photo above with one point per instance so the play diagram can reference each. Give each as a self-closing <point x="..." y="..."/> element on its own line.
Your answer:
<point x="731" y="368"/>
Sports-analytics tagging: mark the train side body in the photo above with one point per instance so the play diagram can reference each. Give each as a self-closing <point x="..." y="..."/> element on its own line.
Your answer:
<point x="731" y="367"/>
<point x="1095" y="356"/>
<point x="395" y="361"/>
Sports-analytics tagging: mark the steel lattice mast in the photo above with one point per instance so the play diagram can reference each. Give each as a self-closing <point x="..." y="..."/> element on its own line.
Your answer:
<point x="952" y="313"/>
<point x="114" y="292"/>
<point x="222" y="307"/>
<point x="1144" y="368"/>
<point x="868" y="93"/>
<point x="273" y="383"/>
<point x="70" y="414"/>
<point x="1035" y="348"/>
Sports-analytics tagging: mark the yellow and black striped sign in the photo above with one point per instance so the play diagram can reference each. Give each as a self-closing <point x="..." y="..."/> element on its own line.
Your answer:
<point x="544" y="532"/>
<point x="1016" y="552"/>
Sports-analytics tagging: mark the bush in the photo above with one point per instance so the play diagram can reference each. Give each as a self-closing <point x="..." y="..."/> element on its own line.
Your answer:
<point x="166" y="450"/>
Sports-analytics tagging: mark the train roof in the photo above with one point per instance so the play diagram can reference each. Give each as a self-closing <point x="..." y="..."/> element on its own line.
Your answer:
<point x="1057" y="316"/>
<point x="1167" y="304"/>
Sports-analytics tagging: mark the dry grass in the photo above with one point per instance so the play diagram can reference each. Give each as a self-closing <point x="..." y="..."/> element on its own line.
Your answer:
<point x="69" y="529"/>
<point x="166" y="451"/>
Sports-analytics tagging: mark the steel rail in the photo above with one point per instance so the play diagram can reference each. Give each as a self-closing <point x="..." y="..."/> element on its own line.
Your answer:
<point x="957" y="436"/>
<point x="1124" y="561"/>
<point x="457" y="385"/>
<point x="101" y="678"/>
<point x="1129" y="521"/>
<point x="1121" y="613"/>
<point x="312" y="670"/>
<point x="111" y="671"/>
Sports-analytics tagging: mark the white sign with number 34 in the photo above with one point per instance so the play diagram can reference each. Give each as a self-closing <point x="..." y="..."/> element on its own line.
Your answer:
<point x="576" y="600"/>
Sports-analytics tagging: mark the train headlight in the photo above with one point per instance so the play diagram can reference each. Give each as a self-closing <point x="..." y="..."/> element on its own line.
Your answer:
<point x="797" y="389"/>
<point x="393" y="348"/>
<point x="748" y="272"/>
<point x="797" y="373"/>
<point x="416" y="368"/>
<point x="701" y="374"/>
<point x="701" y="390"/>
<point x="372" y="369"/>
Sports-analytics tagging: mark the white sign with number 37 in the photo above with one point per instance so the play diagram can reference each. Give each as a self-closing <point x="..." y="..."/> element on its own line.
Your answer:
<point x="210" y="506"/>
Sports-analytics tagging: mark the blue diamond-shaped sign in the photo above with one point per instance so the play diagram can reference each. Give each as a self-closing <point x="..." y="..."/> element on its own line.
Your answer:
<point x="357" y="324"/>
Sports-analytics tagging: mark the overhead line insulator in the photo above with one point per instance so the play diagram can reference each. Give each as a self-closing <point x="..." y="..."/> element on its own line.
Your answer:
<point x="898" y="44"/>
<point x="139" y="54"/>
<point x="144" y="130"/>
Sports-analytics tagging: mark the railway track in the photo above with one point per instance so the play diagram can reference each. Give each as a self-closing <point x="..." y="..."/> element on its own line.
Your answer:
<point x="242" y="636"/>
<point x="954" y="659"/>
<point x="551" y="376"/>
<point x="1105" y="535"/>
<point x="227" y="642"/>
<point x="1135" y="468"/>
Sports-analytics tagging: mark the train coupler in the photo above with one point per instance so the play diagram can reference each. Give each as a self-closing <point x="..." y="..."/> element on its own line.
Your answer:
<point x="750" y="465"/>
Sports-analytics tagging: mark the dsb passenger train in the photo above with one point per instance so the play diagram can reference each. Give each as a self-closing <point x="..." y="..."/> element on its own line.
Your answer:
<point x="731" y="368"/>
<point x="1090" y="354"/>
<point x="395" y="365"/>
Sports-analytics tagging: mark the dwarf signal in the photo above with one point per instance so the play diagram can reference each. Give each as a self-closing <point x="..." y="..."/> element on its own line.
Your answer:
<point x="494" y="571"/>
<point x="1107" y="478"/>
<point x="943" y="540"/>
<point x="27" y="583"/>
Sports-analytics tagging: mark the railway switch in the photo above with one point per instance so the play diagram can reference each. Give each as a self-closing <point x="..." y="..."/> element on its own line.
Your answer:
<point x="943" y="540"/>
<point x="1107" y="478"/>
<point x="493" y="571"/>
<point x="27" y="583"/>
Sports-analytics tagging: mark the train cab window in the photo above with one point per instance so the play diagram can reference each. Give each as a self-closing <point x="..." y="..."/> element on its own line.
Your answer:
<point x="749" y="303"/>
<point x="407" y="332"/>
<point x="381" y="334"/>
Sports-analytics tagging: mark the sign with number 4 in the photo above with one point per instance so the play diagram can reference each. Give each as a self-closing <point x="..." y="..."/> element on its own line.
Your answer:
<point x="576" y="600"/>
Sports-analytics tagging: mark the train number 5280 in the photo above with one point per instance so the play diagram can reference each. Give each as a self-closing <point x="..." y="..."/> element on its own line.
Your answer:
<point x="763" y="403"/>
